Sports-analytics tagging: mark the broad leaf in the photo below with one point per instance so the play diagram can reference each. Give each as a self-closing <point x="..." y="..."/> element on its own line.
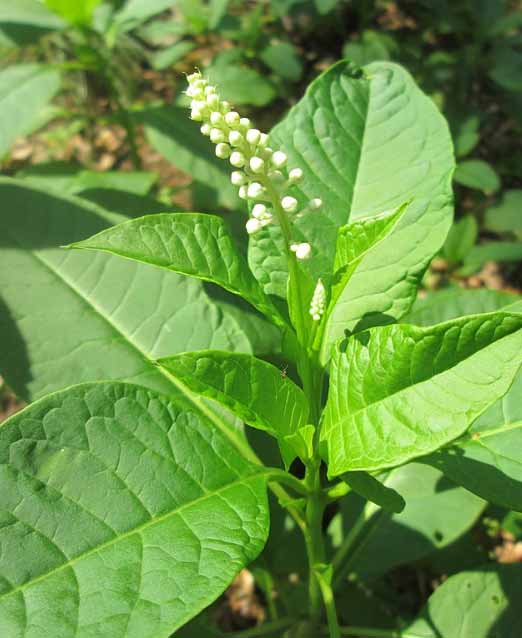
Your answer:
<point x="491" y="251"/>
<point x="506" y="217"/>
<point x="478" y="604"/>
<point x="367" y="142"/>
<point x="241" y="85"/>
<point x="134" y="12"/>
<point x="253" y="389"/>
<point x="399" y="392"/>
<point x="373" y="490"/>
<point x="24" y="21"/>
<point x="25" y="90"/>
<point x="443" y="305"/>
<point x="188" y="243"/>
<point x="487" y="460"/>
<point x="354" y="242"/>
<point x="122" y="514"/>
<point x="75" y="316"/>
<point x="171" y="132"/>
<point x="437" y="513"/>
<point x="461" y="239"/>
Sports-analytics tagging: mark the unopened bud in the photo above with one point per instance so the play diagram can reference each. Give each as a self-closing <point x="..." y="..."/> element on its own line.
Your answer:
<point x="237" y="159"/>
<point x="289" y="204"/>
<point x="253" y="226"/>
<point x="279" y="159"/>
<point x="253" y="136"/>
<point x="257" y="164"/>
<point x="238" y="178"/>
<point x="223" y="151"/>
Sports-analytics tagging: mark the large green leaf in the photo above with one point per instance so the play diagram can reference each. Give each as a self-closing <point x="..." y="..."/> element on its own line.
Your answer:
<point x="253" y="389"/>
<point x="122" y="514"/>
<point x="367" y="142"/>
<point x="134" y="12"/>
<point x="25" y="90"/>
<point x="77" y="12"/>
<point x="443" y="305"/>
<point x="436" y="514"/>
<point x="75" y="316"/>
<point x="188" y="243"/>
<point x="173" y="134"/>
<point x="474" y="604"/>
<point x="398" y="392"/>
<point x="477" y="174"/>
<point x="24" y="21"/>
<point x="487" y="460"/>
<point x="506" y="216"/>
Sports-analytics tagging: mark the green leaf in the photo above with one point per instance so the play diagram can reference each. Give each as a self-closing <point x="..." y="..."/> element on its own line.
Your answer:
<point x="487" y="459"/>
<point x="367" y="142"/>
<point x="467" y="135"/>
<point x="189" y="243"/>
<point x="283" y="59"/>
<point x="490" y="251"/>
<point x="370" y="488"/>
<point x="217" y="11"/>
<point x="171" y="132"/>
<point x="443" y="305"/>
<point x="437" y="513"/>
<point x="478" y="175"/>
<point x="372" y="47"/>
<point x="76" y="316"/>
<point x="506" y="70"/>
<point x="241" y="85"/>
<point x="325" y="6"/>
<point x="478" y="604"/>
<point x="25" y="90"/>
<point x="399" y="392"/>
<point x="24" y="21"/>
<point x="134" y="12"/>
<point x="506" y="217"/>
<point x="125" y="514"/>
<point x="169" y="56"/>
<point x="76" y="12"/>
<point x="461" y="239"/>
<point x="354" y="242"/>
<point x="252" y="389"/>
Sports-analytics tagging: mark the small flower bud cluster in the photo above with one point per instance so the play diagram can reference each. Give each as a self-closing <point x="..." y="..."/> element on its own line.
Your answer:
<point x="318" y="303"/>
<point x="259" y="171"/>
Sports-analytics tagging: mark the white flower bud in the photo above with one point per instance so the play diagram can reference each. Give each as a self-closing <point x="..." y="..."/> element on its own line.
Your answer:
<point x="295" y="175"/>
<point x="209" y="90"/>
<point x="263" y="139"/>
<point x="267" y="153"/>
<point x="196" y="115"/>
<point x="205" y="129"/>
<point x="303" y="251"/>
<point x="315" y="203"/>
<point x="255" y="190"/>
<point x="289" y="204"/>
<point x="279" y="159"/>
<point x="223" y="151"/>
<point x="193" y="77"/>
<point x="257" y="164"/>
<point x="238" y="178"/>
<point x="253" y="226"/>
<point x="216" y="136"/>
<point x="259" y="211"/>
<point x="198" y="104"/>
<point x="225" y="106"/>
<point x="195" y="93"/>
<point x="253" y="136"/>
<point x="267" y="219"/>
<point x="232" y="118"/>
<point x="216" y="118"/>
<point x="213" y="101"/>
<point x="244" y="122"/>
<point x="242" y="192"/>
<point x="237" y="159"/>
<point x="235" y="138"/>
<point x="318" y="303"/>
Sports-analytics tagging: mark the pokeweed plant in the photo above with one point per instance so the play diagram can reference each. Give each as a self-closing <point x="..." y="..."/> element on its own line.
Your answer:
<point x="130" y="503"/>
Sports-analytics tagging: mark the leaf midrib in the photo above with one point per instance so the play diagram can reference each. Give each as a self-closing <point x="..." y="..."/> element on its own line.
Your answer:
<point x="137" y="530"/>
<point x="196" y="401"/>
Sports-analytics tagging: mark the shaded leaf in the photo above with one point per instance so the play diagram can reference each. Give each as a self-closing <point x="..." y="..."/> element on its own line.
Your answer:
<point x="506" y="217"/>
<point x="373" y="490"/>
<point x="77" y="12"/>
<point x="241" y="85"/>
<point x="490" y="251"/>
<point x="171" y="55"/>
<point x="118" y="499"/>
<point x="25" y="90"/>
<point x="478" y="604"/>
<point x="283" y="59"/>
<point x="24" y="21"/>
<point x="477" y="174"/>
<point x="399" y="392"/>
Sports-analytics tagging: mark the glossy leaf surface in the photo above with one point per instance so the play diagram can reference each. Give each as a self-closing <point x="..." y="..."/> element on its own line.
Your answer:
<point x="253" y="389"/>
<point x="129" y="515"/>
<point x="188" y="243"/>
<point x="367" y="142"/>
<point x="399" y="392"/>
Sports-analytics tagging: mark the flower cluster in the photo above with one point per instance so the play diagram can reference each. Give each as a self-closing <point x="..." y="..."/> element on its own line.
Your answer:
<point x="318" y="303"/>
<point x="260" y="173"/>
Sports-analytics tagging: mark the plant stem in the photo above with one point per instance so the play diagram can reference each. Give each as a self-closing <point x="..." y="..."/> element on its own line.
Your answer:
<point x="280" y="476"/>
<point x="329" y="603"/>
<point x="314" y="536"/>
<point x="372" y="632"/>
